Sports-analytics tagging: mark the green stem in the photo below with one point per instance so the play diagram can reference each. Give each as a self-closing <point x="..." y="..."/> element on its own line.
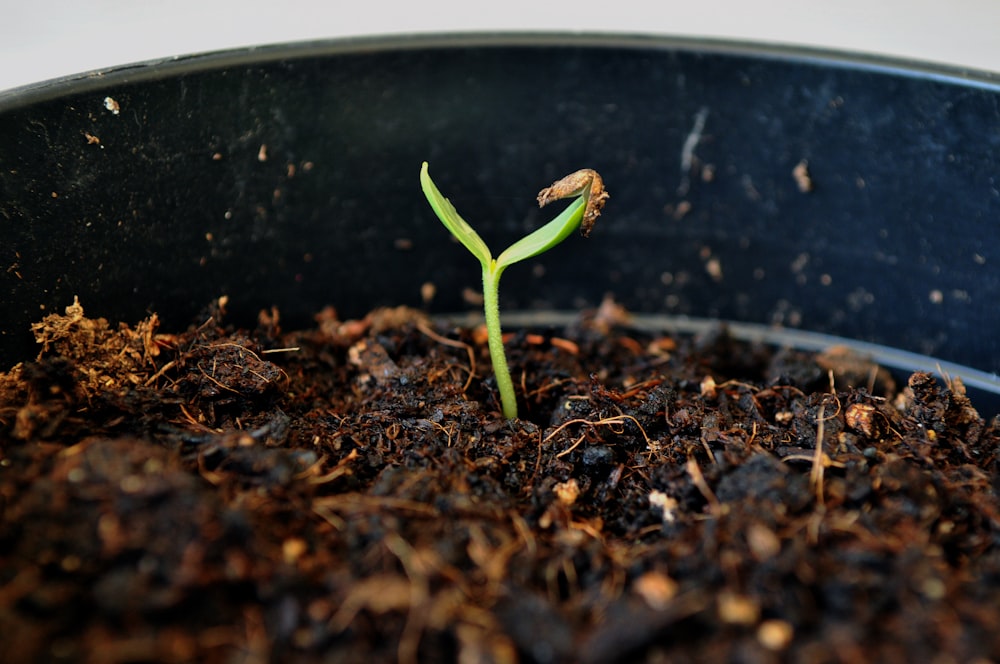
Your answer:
<point x="491" y="307"/>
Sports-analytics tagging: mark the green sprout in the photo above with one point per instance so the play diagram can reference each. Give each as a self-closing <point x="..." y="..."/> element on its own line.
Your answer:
<point x="588" y="188"/>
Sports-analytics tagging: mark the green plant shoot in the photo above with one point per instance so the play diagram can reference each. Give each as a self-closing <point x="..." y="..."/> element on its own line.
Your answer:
<point x="588" y="189"/>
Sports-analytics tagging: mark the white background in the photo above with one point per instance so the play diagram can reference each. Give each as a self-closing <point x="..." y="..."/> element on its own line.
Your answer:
<point x="44" y="39"/>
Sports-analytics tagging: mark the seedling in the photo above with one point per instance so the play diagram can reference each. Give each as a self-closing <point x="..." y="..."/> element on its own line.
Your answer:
<point x="588" y="188"/>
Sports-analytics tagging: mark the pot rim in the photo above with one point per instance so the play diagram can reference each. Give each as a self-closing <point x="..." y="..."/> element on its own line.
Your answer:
<point x="159" y="68"/>
<point x="776" y="336"/>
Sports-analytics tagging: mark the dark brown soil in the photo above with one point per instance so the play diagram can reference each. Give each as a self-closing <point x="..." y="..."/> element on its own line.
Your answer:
<point x="350" y="493"/>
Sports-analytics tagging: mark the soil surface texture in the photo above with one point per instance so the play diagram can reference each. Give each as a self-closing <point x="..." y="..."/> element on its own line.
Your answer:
<point x="351" y="493"/>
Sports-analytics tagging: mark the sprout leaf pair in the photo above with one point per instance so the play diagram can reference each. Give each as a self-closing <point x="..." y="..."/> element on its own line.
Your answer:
<point x="588" y="188"/>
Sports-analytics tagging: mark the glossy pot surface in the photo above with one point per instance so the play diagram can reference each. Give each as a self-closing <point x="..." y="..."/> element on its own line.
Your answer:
<point x="838" y="195"/>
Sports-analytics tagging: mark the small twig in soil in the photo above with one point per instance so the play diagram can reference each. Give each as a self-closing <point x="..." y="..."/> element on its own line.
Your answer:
<point x="572" y="447"/>
<point x="607" y="421"/>
<point x="639" y="387"/>
<point x="164" y="369"/>
<point x="816" y="474"/>
<point x="753" y="436"/>
<point x="357" y="502"/>
<point x="524" y="530"/>
<point x="565" y="345"/>
<point x="216" y="381"/>
<point x="454" y="344"/>
<point x="446" y="431"/>
<point x="538" y="464"/>
<point x="708" y="449"/>
<point x="548" y="386"/>
<point x="698" y="479"/>
<point x="409" y="640"/>
<point x="195" y="423"/>
<point x="339" y="470"/>
<point x="223" y="344"/>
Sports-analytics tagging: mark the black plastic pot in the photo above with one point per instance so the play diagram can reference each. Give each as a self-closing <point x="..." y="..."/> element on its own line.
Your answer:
<point x="838" y="195"/>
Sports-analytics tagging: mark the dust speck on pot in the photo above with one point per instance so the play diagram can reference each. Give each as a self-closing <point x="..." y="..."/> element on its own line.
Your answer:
<point x="112" y="105"/>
